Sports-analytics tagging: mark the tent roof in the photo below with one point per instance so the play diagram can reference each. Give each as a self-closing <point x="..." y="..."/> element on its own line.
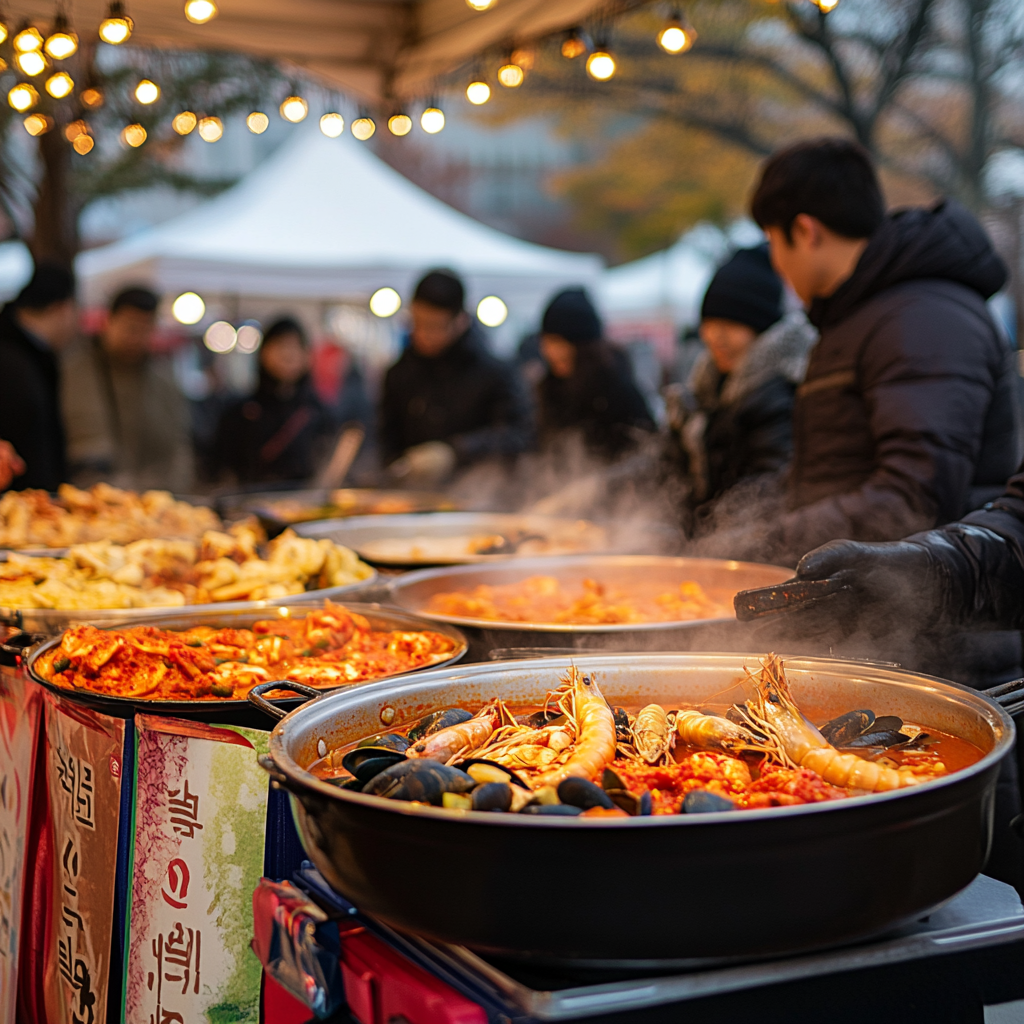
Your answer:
<point x="373" y="48"/>
<point x="319" y="206"/>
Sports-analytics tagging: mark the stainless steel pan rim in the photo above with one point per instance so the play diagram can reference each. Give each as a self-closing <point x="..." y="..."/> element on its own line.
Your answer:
<point x="551" y="566"/>
<point x="1001" y="724"/>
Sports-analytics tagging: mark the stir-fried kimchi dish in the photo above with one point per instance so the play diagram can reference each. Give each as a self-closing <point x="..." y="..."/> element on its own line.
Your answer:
<point x="576" y="755"/>
<point x="222" y="566"/>
<point x="32" y="519"/>
<point x="326" y="648"/>
<point x="546" y="599"/>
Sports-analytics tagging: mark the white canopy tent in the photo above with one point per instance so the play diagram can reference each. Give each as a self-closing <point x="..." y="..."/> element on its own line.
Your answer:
<point x="325" y="221"/>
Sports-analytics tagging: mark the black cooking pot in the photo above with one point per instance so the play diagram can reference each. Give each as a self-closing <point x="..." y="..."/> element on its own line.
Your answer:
<point x="686" y="888"/>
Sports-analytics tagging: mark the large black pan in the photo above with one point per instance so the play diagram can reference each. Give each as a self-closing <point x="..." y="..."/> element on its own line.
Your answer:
<point x="231" y="712"/>
<point x="690" y="887"/>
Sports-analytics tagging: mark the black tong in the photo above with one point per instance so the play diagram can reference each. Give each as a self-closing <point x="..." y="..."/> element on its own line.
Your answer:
<point x="788" y="596"/>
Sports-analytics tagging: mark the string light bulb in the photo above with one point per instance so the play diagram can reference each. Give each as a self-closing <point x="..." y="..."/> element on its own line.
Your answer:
<point x="257" y="122"/>
<point x="83" y="144"/>
<point x="294" y="109"/>
<point x="601" y="65"/>
<point x="332" y="125"/>
<point x="116" y="27"/>
<point x="400" y="124"/>
<point x="188" y="308"/>
<point x="481" y="5"/>
<point x="4" y="31"/>
<point x="199" y="12"/>
<point x="23" y="97"/>
<point x="211" y="129"/>
<point x="573" y="45"/>
<point x="60" y="85"/>
<point x="28" y="40"/>
<point x="133" y="135"/>
<point x="385" y="302"/>
<point x="432" y="120"/>
<point x="74" y="129"/>
<point x="525" y="57"/>
<point x="491" y="311"/>
<point x="825" y="5"/>
<point x="478" y="93"/>
<point x="511" y="76"/>
<point x="37" y="124"/>
<point x="677" y="36"/>
<point x="61" y="43"/>
<point x="363" y="128"/>
<point x="185" y="122"/>
<point x="147" y="92"/>
<point x="31" y="63"/>
<point x="92" y="98"/>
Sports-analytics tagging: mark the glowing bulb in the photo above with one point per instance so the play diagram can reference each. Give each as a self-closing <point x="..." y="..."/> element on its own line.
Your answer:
<point x="573" y="45"/>
<point x="524" y="56"/>
<point x="385" y="302"/>
<point x="61" y="45"/>
<point x="248" y="338"/>
<point x="23" y="97"/>
<point x="211" y="129"/>
<point x="491" y="311"/>
<point x="825" y="5"/>
<point x="677" y="36"/>
<point x="294" y="109"/>
<point x="332" y="125"/>
<point x="76" y="128"/>
<point x="83" y="144"/>
<point x="92" y="98"/>
<point x="600" y="65"/>
<point x="480" y="5"/>
<point x="31" y="63"/>
<point x="511" y="76"/>
<point x="60" y="85"/>
<point x="116" y="27"/>
<point x="478" y="93"/>
<point x="184" y="122"/>
<point x="3" y="31"/>
<point x="28" y="40"/>
<point x="257" y="122"/>
<point x="37" y="124"/>
<point x="188" y="308"/>
<point x="432" y="120"/>
<point x="133" y="135"/>
<point x="199" y="12"/>
<point x="147" y="92"/>
<point x="363" y="128"/>
<point x="400" y="124"/>
<point x="220" y="337"/>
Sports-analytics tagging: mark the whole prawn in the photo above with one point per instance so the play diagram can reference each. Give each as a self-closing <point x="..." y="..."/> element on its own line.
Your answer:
<point x="444" y="744"/>
<point x="798" y="744"/>
<point x="652" y="733"/>
<point x="709" y="732"/>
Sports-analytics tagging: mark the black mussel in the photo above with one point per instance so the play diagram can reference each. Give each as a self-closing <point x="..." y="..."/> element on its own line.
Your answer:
<point x="539" y="719"/>
<point x="552" y="810"/>
<point x="624" y="800"/>
<point x="839" y="731"/>
<point x="584" y="794"/>
<point x="646" y="803"/>
<point x="610" y="780"/>
<point x="390" y="740"/>
<point x="490" y="771"/>
<point x="446" y="719"/>
<point x="354" y="785"/>
<point x="700" y="801"/>
<point x="874" y="739"/>
<point x="623" y="733"/>
<point x="886" y="723"/>
<point x="416" y="779"/>
<point x="365" y="762"/>
<point x="492" y="796"/>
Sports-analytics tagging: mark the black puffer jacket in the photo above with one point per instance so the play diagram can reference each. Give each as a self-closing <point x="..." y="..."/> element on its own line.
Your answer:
<point x="465" y="397"/>
<point x="908" y="416"/>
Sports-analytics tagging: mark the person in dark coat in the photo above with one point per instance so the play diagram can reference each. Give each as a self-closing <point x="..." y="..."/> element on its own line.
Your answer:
<point x="33" y="329"/>
<point x="282" y="432"/>
<point x="588" y="389"/>
<point x="908" y="416"/>
<point x="447" y="402"/>
<point x="741" y="389"/>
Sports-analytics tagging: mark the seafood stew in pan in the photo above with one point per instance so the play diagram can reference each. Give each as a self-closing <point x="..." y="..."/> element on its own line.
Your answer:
<point x="577" y="756"/>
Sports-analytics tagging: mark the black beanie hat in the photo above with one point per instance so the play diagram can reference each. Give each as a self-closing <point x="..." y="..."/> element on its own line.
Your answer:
<point x="441" y="289"/>
<point x="571" y="315"/>
<point x="50" y="283"/>
<point x="745" y="289"/>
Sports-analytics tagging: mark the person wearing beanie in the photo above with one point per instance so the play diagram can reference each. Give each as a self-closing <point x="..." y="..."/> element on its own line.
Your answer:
<point x="34" y="328"/>
<point x="736" y="420"/>
<point x="588" y="389"/>
<point x="447" y="403"/>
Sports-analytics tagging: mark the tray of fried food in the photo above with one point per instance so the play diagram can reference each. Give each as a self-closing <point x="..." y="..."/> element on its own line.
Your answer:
<point x="35" y="520"/>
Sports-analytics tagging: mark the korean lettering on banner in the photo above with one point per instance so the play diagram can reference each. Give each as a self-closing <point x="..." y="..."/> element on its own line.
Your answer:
<point x="20" y="704"/>
<point x="197" y="857"/>
<point x="84" y="752"/>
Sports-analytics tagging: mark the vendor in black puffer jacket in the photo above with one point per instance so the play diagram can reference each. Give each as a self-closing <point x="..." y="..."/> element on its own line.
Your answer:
<point x="908" y="417"/>
<point x="739" y="398"/>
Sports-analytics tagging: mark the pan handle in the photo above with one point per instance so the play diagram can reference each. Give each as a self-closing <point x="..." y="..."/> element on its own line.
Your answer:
<point x="1009" y="696"/>
<point x="14" y="648"/>
<point x="256" y="697"/>
<point x="788" y="595"/>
